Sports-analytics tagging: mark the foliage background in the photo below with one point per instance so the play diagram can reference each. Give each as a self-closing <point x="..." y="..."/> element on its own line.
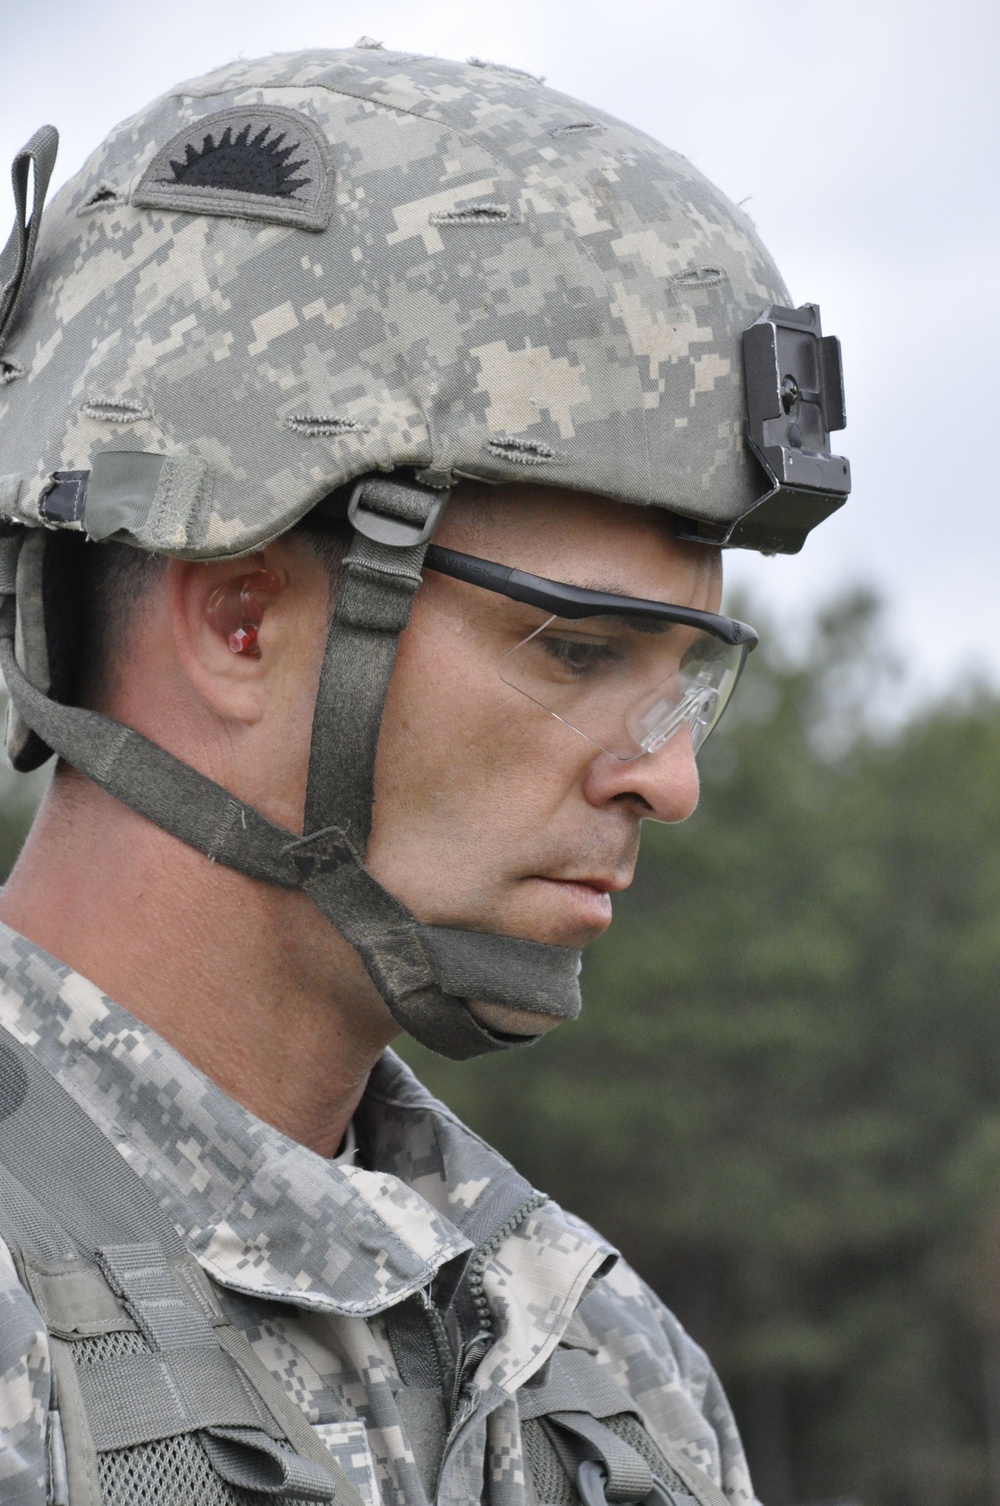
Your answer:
<point x="783" y="1099"/>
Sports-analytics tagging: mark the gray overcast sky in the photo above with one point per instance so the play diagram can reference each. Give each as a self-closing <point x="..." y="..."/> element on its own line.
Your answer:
<point x="863" y="136"/>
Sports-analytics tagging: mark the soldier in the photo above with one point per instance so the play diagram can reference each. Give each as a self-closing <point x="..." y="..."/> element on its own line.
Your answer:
<point x="371" y="427"/>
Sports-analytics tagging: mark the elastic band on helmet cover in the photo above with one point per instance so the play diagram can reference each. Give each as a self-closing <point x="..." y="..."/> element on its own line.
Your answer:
<point x="15" y="260"/>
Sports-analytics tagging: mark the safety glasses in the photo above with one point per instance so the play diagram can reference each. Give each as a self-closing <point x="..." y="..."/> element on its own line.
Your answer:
<point x="627" y="674"/>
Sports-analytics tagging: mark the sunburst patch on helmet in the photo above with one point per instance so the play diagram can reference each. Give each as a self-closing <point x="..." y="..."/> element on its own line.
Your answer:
<point x="248" y="164"/>
<point x="263" y="162"/>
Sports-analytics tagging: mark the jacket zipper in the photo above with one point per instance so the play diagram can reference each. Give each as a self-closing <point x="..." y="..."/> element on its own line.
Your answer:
<point x="442" y="1344"/>
<point x="463" y="1396"/>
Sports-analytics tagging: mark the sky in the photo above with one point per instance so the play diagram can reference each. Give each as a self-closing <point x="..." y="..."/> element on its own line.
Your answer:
<point x="863" y="137"/>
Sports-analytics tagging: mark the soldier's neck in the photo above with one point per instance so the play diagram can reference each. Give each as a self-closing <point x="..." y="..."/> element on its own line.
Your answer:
<point x="247" y="981"/>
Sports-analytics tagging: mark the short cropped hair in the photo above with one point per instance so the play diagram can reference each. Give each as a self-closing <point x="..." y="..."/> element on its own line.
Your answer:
<point x="115" y="580"/>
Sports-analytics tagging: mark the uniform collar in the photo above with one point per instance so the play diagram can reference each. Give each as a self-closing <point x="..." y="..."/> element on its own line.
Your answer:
<point x="263" y="1214"/>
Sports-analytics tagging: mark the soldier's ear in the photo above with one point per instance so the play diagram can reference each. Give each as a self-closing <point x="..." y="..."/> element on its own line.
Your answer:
<point x="218" y="613"/>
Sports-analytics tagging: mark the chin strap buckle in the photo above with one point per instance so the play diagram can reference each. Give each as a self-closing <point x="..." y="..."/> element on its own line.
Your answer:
<point x="394" y="513"/>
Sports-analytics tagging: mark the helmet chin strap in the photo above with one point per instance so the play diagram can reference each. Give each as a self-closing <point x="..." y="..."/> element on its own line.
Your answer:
<point x="427" y="975"/>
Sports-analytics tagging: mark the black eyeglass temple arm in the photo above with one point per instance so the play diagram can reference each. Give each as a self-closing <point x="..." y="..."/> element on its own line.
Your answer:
<point x="575" y="601"/>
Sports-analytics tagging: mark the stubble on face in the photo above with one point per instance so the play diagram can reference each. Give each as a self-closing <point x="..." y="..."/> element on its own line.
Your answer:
<point x="490" y="814"/>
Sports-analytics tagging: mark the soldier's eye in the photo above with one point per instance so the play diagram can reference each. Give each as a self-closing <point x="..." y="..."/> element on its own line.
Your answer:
<point x="579" y="656"/>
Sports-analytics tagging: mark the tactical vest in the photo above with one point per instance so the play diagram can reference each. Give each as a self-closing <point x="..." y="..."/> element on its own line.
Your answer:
<point x="159" y="1399"/>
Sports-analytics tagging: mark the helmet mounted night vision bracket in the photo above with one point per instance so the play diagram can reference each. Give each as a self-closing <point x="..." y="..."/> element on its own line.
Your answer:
<point x="795" y="400"/>
<point x="427" y="975"/>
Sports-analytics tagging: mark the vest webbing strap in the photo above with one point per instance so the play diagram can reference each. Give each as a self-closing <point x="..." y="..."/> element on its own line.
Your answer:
<point x="629" y="1477"/>
<point x="579" y="1406"/>
<point x="573" y="1381"/>
<point x="87" y="1193"/>
<point x="157" y="1303"/>
<point x="139" y="1398"/>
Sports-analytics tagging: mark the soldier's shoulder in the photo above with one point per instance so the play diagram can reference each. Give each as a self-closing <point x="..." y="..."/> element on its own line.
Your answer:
<point x="648" y="1352"/>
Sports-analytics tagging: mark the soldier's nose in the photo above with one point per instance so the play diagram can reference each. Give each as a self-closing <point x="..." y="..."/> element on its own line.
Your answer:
<point x="665" y="783"/>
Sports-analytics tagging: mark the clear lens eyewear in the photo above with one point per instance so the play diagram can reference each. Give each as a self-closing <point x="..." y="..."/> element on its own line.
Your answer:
<point x="626" y="674"/>
<point x="627" y="689"/>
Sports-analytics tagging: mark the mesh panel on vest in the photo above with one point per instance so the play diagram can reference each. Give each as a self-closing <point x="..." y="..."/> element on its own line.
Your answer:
<point x="632" y="1432"/>
<point x="169" y="1472"/>
<point x="108" y="1346"/>
<point x="174" y="1471"/>
<point x="553" y="1486"/>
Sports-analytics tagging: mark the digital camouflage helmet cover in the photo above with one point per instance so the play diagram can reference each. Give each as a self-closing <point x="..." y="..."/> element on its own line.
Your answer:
<point x="362" y="266"/>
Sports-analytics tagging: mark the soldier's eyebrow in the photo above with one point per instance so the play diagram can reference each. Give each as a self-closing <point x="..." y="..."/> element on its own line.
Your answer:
<point x="607" y="585"/>
<point x="630" y="624"/>
<point x="610" y="586"/>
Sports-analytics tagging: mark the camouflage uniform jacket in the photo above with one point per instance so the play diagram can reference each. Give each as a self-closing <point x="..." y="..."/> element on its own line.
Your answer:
<point x="309" y="1255"/>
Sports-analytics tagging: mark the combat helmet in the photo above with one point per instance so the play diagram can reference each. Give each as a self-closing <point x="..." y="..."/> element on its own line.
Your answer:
<point x="365" y="268"/>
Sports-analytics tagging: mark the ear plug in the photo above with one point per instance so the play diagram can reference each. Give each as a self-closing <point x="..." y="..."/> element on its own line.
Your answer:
<point x="236" y="610"/>
<point x="244" y="640"/>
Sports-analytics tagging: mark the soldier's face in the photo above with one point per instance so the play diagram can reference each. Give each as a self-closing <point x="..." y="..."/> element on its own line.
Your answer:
<point x="490" y="814"/>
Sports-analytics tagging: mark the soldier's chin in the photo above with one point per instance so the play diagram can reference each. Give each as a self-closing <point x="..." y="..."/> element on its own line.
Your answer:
<point x="502" y="1019"/>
